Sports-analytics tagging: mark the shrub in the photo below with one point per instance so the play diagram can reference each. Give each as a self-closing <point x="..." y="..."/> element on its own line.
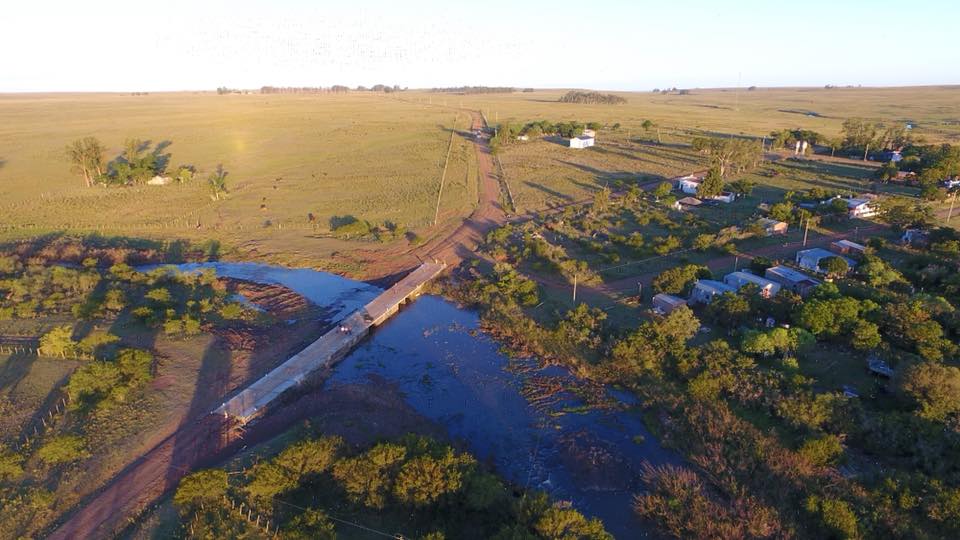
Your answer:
<point x="59" y="341"/>
<point x="63" y="449"/>
<point x="825" y="450"/>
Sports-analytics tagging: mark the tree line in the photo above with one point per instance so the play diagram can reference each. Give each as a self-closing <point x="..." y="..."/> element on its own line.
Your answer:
<point x="415" y="482"/>
<point x="476" y="90"/>
<point x="593" y="98"/>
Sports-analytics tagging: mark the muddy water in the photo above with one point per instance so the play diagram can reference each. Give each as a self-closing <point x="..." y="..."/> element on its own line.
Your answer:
<point x="338" y="296"/>
<point x="456" y="376"/>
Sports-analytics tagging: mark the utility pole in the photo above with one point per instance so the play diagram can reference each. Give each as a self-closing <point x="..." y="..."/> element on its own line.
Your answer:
<point x="574" y="289"/>
<point x="736" y="263"/>
<point x="952" y="200"/>
<point x="640" y="291"/>
<point x="806" y="229"/>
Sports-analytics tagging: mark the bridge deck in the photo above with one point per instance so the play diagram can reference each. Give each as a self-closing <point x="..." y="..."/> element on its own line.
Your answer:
<point x="331" y="346"/>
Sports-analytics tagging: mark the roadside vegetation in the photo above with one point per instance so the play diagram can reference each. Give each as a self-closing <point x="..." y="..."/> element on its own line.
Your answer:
<point x="76" y="329"/>
<point x="317" y="488"/>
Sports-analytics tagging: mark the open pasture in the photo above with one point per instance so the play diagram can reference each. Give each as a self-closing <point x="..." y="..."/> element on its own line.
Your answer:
<point x="293" y="162"/>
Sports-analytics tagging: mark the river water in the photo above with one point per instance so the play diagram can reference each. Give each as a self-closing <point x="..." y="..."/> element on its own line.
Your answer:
<point x="453" y="374"/>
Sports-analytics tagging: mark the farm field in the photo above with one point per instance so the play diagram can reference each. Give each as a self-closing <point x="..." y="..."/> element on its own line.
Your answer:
<point x="293" y="162"/>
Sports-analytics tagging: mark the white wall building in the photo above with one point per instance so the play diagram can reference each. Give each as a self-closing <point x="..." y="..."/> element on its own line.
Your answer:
<point x="705" y="290"/>
<point x="582" y="142"/>
<point x="767" y="287"/>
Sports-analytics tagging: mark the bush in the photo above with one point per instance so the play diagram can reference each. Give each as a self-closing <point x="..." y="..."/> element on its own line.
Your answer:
<point x="822" y="451"/>
<point x="63" y="449"/>
<point x="59" y="342"/>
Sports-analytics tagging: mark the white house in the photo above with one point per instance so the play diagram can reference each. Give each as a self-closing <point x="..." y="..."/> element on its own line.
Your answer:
<point x="582" y="142"/>
<point x="767" y="287"/>
<point x="704" y="290"/>
<point x="665" y="303"/>
<point x="809" y="259"/>
<point x="725" y="197"/>
<point x="689" y="183"/>
<point x="790" y="279"/>
<point x="861" y="208"/>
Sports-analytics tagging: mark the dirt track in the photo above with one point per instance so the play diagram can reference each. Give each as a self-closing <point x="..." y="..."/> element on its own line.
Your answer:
<point x="208" y="437"/>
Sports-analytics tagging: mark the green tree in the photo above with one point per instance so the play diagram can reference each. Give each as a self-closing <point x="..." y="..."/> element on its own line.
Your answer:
<point x="934" y="389"/>
<point x="217" y="181"/>
<point x="86" y="158"/>
<point x="837" y="516"/>
<point x="59" y="341"/>
<point x="679" y="279"/>
<point x="662" y="190"/>
<point x="865" y="336"/>
<point x="63" y="449"/>
<point x="834" y="266"/>
<point x="11" y="464"/>
<point x="310" y="525"/>
<point x="198" y="489"/>
<point x="568" y="524"/>
<point x="369" y="477"/>
<point x="887" y="172"/>
<point x="712" y="184"/>
<point x="822" y="451"/>
<point x="423" y="480"/>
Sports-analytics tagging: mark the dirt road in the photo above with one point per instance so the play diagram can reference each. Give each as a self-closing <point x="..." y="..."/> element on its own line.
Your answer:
<point x="385" y="265"/>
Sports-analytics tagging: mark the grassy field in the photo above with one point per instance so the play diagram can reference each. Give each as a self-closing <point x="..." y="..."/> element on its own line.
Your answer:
<point x="379" y="158"/>
<point x="287" y="157"/>
<point x="932" y="110"/>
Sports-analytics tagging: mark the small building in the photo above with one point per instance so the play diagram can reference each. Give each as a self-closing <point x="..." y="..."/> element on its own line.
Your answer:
<point x="688" y="184"/>
<point x="523" y="137"/>
<point x="915" y="237"/>
<point x="705" y="290"/>
<point x="951" y="183"/>
<point x="891" y="155"/>
<point x="860" y="208"/>
<point x="848" y="247"/>
<point x="686" y="203"/>
<point x="768" y="288"/>
<point x="582" y="142"/>
<point x="725" y="197"/>
<point x="772" y="226"/>
<point x="159" y="180"/>
<point x="791" y="279"/>
<point x="905" y="176"/>
<point x="809" y="259"/>
<point x="665" y="303"/>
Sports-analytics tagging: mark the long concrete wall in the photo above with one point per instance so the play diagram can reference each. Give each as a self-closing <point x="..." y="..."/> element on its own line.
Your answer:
<point x="330" y="348"/>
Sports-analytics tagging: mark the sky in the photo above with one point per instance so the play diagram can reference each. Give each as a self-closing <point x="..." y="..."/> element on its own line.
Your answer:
<point x="108" y="45"/>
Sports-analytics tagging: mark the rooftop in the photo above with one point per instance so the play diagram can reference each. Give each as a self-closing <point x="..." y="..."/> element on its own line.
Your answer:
<point x="790" y="274"/>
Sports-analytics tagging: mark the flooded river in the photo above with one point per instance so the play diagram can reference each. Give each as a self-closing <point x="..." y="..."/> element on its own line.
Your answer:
<point x="501" y="409"/>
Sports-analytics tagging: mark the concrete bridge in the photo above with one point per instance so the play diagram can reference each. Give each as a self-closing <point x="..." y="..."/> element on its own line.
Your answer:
<point x="330" y="348"/>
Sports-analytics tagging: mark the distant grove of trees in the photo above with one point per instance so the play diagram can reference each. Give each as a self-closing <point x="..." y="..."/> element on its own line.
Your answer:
<point x="509" y="131"/>
<point x="478" y="90"/>
<point x="335" y="89"/>
<point x="137" y="163"/>
<point x="577" y="96"/>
